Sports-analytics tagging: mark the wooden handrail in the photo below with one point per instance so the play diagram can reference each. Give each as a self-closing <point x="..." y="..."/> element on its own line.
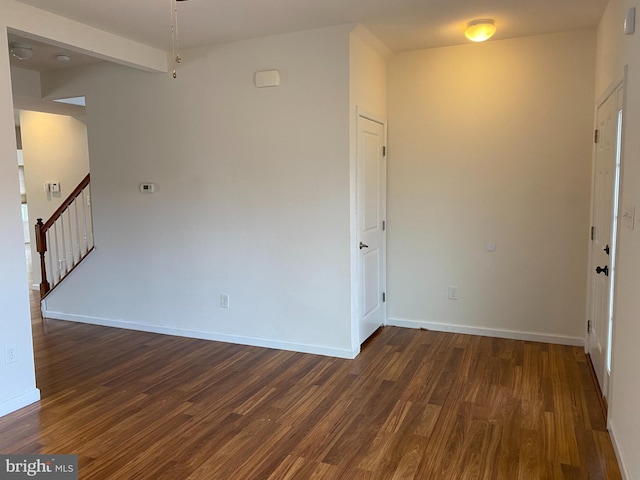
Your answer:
<point x="41" y="229"/>
<point x="72" y="196"/>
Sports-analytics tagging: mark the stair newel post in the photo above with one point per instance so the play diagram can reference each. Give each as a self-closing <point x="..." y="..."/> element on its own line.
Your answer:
<point x="41" y="246"/>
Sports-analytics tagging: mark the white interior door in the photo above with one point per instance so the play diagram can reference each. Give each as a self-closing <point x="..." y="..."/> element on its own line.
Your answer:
<point x="371" y="210"/>
<point x="605" y="193"/>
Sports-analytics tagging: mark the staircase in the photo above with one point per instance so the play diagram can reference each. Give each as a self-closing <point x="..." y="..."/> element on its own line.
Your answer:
<point x="66" y="238"/>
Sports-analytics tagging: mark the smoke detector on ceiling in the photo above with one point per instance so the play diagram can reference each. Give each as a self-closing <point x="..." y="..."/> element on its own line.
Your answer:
<point x="22" y="51"/>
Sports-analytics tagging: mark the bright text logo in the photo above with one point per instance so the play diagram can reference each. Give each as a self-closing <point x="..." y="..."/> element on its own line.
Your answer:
<point x="50" y="467"/>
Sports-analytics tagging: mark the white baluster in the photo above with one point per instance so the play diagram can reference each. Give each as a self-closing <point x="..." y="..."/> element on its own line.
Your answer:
<point x="64" y="248"/>
<point x="84" y="222"/>
<point x="50" y="272"/>
<point x="71" y="254"/>
<point x="57" y="270"/>
<point x="75" y="206"/>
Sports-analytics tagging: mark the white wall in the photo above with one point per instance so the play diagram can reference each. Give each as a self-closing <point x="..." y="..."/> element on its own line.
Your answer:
<point x="252" y="201"/>
<point x="491" y="143"/>
<point x="17" y="380"/>
<point x="368" y="73"/>
<point x="55" y="150"/>
<point x="615" y="50"/>
<point x="25" y="83"/>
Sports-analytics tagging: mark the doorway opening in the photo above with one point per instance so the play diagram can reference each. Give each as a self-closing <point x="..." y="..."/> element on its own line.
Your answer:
<point x="26" y="224"/>
<point x="53" y="159"/>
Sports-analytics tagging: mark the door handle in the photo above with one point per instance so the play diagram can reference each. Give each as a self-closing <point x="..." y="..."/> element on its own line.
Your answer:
<point x="604" y="270"/>
<point x="362" y="245"/>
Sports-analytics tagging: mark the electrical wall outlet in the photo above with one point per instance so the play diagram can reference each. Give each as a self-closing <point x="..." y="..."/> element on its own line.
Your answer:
<point x="10" y="354"/>
<point x="224" y="300"/>
<point x="453" y="292"/>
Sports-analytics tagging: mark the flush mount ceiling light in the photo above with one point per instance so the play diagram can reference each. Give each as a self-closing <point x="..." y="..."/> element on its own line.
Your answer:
<point x="63" y="57"/>
<point x="480" y="30"/>
<point x="21" y="51"/>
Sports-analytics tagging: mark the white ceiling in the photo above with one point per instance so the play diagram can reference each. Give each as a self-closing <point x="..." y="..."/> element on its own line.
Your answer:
<point x="401" y="24"/>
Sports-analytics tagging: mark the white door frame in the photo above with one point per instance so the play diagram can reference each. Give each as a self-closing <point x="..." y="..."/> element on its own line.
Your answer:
<point x="354" y="250"/>
<point x="619" y="83"/>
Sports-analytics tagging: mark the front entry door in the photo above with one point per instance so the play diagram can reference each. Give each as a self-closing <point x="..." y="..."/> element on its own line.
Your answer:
<point x="371" y="210"/>
<point x="606" y="170"/>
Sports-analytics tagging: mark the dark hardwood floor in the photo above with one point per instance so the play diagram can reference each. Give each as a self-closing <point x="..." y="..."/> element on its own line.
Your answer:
<point x="414" y="404"/>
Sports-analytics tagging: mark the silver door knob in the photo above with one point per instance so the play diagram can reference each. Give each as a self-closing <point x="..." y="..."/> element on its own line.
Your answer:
<point x="362" y="245"/>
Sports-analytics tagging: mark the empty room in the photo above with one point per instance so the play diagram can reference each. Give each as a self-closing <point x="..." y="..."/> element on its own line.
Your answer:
<point x="333" y="240"/>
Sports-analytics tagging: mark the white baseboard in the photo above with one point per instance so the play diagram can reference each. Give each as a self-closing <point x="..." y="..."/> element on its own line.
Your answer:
<point x="19" y="402"/>
<point x="487" y="332"/>
<point x="621" y="460"/>
<point x="217" y="337"/>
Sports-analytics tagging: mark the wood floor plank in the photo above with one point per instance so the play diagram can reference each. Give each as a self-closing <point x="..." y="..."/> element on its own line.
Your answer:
<point x="415" y="404"/>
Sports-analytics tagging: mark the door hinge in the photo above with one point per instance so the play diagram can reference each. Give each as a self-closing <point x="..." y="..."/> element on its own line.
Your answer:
<point x="384" y="297"/>
<point x="596" y="135"/>
<point x="593" y="233"/>
<point x="384" y="225"/>
<point x="384" y="151"/>
<point x="589" y="326"/>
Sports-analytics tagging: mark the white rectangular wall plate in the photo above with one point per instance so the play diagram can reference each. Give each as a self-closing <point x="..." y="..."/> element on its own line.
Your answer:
<point x="453" y="292"/>
<point x="224" y="300"/>
<point x="147" y="187"/>
<point x="267" y="78"/>
<point x="630" y="21"/>
<point x="10" y="354"/>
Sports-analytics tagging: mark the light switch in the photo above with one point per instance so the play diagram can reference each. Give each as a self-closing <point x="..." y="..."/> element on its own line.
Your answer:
<point x="55" y="187"/>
